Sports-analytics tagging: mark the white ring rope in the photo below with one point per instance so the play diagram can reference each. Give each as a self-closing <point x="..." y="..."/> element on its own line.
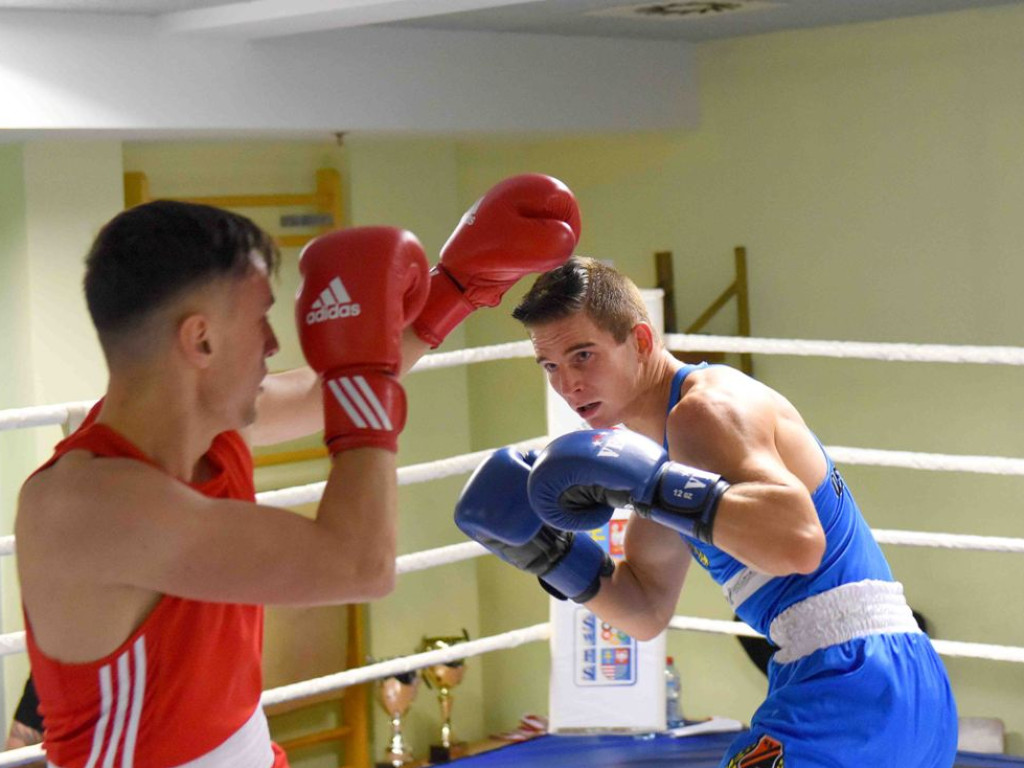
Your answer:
<point x="432" y="470"/>
<point x="328" y="683"/>
<point x="949" y="541"/>
<point x="509" y="351"/>
<point x="21" y="418"/>
<point x="410" y="475"/>
<point x="48" y="415"/>
<point x="42" y="415"/>
<point x="14" y="642"/>
<point x="22" y="755"/>
<point x="936" y="462"/>
<point x="11" y="643"/>
<point x="862" y="350"/>
<point x="430" y="558"/>
<point x="513" y="639"/>
<point x="950" y="648"/>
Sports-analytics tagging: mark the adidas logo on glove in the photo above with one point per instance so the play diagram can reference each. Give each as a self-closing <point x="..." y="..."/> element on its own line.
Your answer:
<point x="333" y="303"/>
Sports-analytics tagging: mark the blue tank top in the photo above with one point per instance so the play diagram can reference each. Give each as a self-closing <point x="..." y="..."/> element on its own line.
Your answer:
<point x="851" y="552"/>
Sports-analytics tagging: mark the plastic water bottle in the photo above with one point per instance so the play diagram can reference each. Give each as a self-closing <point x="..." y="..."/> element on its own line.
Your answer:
<point x="673" y="709"/>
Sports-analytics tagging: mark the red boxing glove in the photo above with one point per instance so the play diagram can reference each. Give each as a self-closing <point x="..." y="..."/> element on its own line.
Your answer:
<point x="528" y="223"/>
<point x="360" y="288"/>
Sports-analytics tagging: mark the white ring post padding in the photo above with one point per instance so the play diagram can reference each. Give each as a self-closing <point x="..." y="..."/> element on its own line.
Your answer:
<point x="863" y="350"/>
<point x="328" y="683"/>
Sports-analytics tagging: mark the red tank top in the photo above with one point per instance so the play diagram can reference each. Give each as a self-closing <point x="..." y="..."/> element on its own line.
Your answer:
<point x="184" y="688"/>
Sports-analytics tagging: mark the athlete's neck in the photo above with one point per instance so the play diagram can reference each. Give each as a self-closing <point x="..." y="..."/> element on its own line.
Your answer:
<point x="157" y="414"/>
<point x="650" y="405"/>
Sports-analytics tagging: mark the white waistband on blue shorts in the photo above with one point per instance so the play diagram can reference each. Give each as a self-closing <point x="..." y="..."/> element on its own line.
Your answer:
<point x="839" y="615"/>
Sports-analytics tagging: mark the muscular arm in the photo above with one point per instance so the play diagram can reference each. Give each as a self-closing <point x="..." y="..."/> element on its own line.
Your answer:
<point x="640" y="597"/>
<point x="732" y="425"/>
<point x="100" y="539"/>
<point x="290" y="405"/>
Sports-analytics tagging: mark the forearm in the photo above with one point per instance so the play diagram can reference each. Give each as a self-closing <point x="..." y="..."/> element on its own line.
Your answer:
<point x="413" y="348"/>
<point x="359" y="509"/>
<point x="628" y="604"/>
<point x="289" y="406"/>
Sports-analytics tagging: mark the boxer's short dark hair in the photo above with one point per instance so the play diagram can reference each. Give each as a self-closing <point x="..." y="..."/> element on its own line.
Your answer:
<point x="583" y="284"/>
<point x="149" y="255"/>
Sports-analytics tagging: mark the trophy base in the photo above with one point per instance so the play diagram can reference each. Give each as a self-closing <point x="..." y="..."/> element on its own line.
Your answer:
<point x="442" y="754"/>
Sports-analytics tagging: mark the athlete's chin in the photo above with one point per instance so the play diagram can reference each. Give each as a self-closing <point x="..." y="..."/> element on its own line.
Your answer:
<point x="599" y="421"/>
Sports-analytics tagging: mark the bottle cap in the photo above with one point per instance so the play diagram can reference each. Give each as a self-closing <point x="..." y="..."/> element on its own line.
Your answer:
<point x="670" y="660"/>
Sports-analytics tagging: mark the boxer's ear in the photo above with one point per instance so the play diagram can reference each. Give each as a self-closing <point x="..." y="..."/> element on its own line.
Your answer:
<point x="193" y="337"/>
<point x="643" y="335"/>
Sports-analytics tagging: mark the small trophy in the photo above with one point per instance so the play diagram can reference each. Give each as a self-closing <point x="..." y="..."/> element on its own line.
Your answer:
<point x="442" y="678"/>
<point x="395" y="694"/>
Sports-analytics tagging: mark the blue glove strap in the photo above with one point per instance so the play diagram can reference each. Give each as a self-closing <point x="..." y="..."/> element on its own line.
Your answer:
<point x="686" y="500"/>
<point x="685" y="488"/>
<point x="578" y="574"/>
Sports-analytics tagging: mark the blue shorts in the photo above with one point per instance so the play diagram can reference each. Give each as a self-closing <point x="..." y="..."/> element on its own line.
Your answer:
<point x="877" y="701"/>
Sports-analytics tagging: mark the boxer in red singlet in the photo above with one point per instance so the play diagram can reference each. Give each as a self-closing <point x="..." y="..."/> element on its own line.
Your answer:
<point x="143" y="558"/>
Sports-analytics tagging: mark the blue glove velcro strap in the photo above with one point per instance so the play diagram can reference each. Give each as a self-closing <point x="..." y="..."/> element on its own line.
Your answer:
<point x="687" y="500"/>
<point x="685" y="488"/>
<point x="578" y="574"/>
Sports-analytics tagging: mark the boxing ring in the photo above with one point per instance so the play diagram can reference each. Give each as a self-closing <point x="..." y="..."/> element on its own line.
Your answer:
<point x="647" y="750"/>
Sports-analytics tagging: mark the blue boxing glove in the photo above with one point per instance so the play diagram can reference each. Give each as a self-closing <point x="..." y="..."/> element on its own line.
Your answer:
<point x="580" y="478"/>
<point x="493" y="509"/>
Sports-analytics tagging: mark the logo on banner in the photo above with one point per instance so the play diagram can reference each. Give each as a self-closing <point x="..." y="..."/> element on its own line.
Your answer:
<point x="616" y="663"/>
<point x="604" y="655"/>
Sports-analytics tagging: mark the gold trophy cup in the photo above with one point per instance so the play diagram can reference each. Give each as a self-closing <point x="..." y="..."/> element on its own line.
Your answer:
<point x="395" y="694"/>
<point x="442" y="678"/>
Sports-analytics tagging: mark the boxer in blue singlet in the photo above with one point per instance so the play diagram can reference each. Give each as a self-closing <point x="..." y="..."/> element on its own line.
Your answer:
<point x="743" y="486"/>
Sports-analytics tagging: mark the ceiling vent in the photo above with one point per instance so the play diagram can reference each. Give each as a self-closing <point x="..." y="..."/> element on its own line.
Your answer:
<point x="684" y="11"/>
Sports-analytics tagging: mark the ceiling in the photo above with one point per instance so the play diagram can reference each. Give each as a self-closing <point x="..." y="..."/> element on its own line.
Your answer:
<point x="683" y="21"/>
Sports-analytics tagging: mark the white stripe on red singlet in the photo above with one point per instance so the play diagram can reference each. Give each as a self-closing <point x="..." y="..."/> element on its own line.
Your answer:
<point x="131" y="690"/>
<point x="101" y="727"/>
<point x="138" y="696"/>
<point x="124" y="686"/>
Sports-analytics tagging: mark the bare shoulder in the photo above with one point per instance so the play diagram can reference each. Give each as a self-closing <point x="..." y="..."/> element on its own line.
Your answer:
<point x="720" y="395"/>
<point x="83" y="499"/>
<point x="730" y="422"/>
